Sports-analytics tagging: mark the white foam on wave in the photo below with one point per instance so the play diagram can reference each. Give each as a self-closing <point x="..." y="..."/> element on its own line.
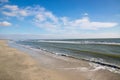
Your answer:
<point x="97" y="67"/>
<point x="94" y="67"/>
<point x="58" y="53"/>
<point x="83" y="42"/>
<point x="61" y="54"/>
<point x="96" y="59"/>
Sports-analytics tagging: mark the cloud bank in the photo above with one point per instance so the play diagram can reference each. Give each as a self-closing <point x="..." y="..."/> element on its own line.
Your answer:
<point x="48" y="21"/>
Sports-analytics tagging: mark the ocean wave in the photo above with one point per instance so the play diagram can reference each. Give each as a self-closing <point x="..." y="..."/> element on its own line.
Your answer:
<point x="98" y="61"/>
<point x="97" y="67"/>
<point x="83" y="42"/>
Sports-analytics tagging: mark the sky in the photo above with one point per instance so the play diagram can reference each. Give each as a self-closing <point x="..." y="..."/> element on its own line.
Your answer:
<point x="58" y="19"/>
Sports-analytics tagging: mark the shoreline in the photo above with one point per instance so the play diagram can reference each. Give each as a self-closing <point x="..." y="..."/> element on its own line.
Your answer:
<point x="68" y="56"/>
<point x="71" y="65"/>
<point x="66" y="68"/>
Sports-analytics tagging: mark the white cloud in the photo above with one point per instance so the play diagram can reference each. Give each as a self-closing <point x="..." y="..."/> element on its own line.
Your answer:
<point x="11" y="7"/>
<point x="23" y="13"/>
<point x="9" y="13"/>
<point x="64" y="20"/>
<point x="5" y="23"/>
<point x="51" y="16"/>
<point x="85" y="23"/>
<point x="40" y="18"/>
<point x="45" y="16"/>
<point x="38" y="12"/>
<point x="14" y="11"/>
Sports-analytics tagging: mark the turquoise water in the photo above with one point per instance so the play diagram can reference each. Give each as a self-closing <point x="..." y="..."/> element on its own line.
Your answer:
<point x="98" y="50"/>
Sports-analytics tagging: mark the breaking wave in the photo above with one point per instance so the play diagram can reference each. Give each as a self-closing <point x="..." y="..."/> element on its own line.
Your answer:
<point x="82" y="42"/>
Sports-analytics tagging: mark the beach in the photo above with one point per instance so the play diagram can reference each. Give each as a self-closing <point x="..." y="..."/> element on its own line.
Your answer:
<point x="28" y="64"/>
<point x="17" y="65"/>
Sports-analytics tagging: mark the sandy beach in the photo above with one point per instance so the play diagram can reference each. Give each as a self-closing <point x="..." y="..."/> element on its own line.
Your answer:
<point x="17" y="65"/>
<point x="23" y="64"/>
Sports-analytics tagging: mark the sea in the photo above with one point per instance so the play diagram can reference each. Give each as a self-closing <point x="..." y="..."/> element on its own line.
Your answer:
<point x="101" y="51"/>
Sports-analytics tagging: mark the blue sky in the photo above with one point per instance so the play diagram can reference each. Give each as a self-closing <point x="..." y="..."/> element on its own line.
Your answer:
<point x="60" y="19"/>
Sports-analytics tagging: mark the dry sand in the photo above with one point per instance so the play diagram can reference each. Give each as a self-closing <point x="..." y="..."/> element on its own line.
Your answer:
<point x="41" y="65"/>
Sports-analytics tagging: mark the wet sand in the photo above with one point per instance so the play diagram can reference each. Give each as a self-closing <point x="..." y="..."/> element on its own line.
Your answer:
<point x="72" y="69"/>
<point x="27" y="64"/>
